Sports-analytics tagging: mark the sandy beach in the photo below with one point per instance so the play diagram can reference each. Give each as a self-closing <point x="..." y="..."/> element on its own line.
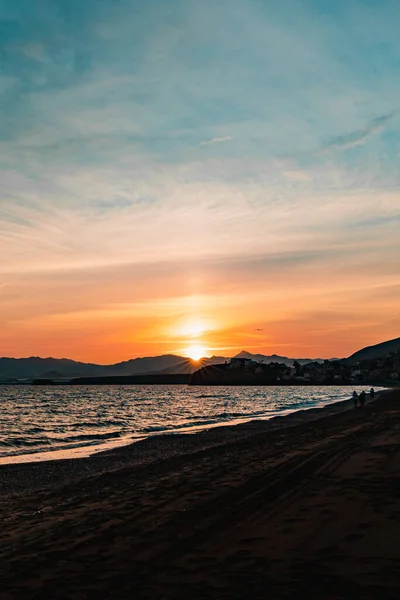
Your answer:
<point x="303" y="506"/>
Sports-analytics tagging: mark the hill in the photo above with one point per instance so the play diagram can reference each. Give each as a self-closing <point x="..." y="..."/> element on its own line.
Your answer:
<point x="373" y="352"/>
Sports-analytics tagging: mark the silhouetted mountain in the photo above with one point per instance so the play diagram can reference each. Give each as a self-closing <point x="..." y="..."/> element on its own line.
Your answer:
<point x="36" y="367"/>
<point x="377" y="351"/>
<point x="276" y="358"/>
<point x="168" y="364"/>
<point x="188" y="366"/>
<point x="27" y="368"/>
<point x="52" y="375"/>
<point x="142" y="366"/>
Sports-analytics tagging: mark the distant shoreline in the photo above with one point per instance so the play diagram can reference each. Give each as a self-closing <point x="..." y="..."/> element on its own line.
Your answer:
<point x="178" y="380"/>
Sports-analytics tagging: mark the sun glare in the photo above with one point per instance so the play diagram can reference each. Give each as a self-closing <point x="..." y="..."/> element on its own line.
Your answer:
<point x="196" y="352"/>
<point x="192" y="329"/>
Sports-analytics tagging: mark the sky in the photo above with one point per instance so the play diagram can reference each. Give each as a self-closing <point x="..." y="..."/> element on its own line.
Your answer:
<point x="184" y="177"/>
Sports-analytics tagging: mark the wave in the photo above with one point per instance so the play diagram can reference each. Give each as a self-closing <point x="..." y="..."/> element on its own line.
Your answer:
<point x="177" y="427"/>
<point x="235" y="415"/>
<point x="91" y="436"/>
<point x="213" y="396"/>
<point x="36" y="430"/>
<point x="202" y="422"/>
<point x="94" y="424"/>
<point x="20" y="442"/>
<point x="23" y="442"/>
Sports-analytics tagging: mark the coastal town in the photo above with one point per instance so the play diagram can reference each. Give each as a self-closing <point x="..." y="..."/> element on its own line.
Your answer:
<point x="246" y="371"/>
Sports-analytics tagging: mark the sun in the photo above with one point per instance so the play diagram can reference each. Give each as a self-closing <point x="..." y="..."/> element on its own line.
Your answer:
<point x="196" y="352"/>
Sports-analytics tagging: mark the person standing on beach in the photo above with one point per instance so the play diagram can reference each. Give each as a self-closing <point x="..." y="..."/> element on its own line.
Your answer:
<point x="362" y="399"/>
<point x="355" y="399"/>
<point x="372" y="393"/>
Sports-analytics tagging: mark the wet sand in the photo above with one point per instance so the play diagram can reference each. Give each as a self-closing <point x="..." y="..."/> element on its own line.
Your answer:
<point x="305" y="506"/>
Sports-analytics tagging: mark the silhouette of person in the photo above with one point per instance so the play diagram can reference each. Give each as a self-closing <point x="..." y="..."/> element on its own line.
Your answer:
<point x="362" y="399"/>
<point x="372" y="393"/>
<point x="355" y="399"/>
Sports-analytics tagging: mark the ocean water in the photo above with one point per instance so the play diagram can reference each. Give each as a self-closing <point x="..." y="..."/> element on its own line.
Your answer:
<point x="39" y="423"/>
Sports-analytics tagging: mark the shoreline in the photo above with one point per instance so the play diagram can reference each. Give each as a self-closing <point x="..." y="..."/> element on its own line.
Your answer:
<point x="17" y="475"/>
<point x="89" y="450"/>
<point x="309" y="510"/>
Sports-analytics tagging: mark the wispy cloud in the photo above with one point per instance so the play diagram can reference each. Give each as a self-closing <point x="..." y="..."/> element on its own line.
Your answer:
<point x="217" y="140"/>
<point x="359" y="137"/>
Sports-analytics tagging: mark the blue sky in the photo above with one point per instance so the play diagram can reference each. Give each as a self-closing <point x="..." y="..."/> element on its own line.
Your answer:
<point x="185" y="132"/>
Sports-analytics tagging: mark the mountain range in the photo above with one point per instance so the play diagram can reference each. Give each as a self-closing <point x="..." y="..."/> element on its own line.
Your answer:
<point x="168" y="364"/>
<point x="63" y="368"/>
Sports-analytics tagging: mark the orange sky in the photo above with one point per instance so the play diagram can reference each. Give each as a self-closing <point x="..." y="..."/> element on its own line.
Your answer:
<point x="186" y="175"/>
<point x="304" y="305"/>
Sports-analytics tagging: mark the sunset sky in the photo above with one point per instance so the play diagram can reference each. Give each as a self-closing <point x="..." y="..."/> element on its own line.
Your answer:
<point x="221" y="174"/>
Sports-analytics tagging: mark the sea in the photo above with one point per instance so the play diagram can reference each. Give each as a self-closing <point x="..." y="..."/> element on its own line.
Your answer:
<point x="42" y="423"/>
